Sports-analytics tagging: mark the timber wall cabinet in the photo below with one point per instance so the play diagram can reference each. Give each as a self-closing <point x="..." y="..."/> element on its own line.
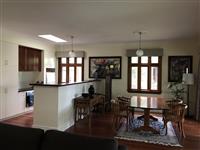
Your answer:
<point x="29" y="59"/>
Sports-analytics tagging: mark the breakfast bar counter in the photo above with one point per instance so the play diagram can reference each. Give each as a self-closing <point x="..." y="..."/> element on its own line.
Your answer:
<point x="54" y="105"/>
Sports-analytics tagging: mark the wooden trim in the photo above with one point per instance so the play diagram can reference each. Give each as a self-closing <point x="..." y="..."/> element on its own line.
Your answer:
<point x="67" y="65"/>
<point x="83" y="69"/>
<point x="139" y="73"/>
<point x="129" y="74"/>
<point x="160" y="74"/>
<point x="75" y="69"/>
<point x="59" y="70"/>
<point x="148" y="65"/>
<point x="67" y="70"/>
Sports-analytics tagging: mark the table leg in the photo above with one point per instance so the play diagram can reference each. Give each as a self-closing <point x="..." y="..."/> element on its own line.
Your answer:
<point x="89" y="119"/>
<point x="75" y="115"/>
<point x="146" y="126"/>
<point x="146" y="117"/>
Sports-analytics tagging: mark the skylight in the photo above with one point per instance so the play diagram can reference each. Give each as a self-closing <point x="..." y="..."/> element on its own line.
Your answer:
<point x="52" y="38"/>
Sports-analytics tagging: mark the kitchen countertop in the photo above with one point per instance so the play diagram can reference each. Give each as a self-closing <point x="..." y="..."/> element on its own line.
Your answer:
<point x="61" y="84"/>
<point x="25" y="89"/>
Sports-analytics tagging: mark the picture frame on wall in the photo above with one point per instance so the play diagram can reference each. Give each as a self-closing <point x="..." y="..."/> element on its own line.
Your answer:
<point x="99" y="67"/>
<point x="177" y="65"/>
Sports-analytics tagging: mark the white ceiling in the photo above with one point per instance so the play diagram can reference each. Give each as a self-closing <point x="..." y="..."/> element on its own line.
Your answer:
<point x="101" y="21"/>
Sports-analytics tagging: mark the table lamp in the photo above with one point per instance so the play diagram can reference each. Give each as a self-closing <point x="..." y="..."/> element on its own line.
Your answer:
<point x="188" y="79"/>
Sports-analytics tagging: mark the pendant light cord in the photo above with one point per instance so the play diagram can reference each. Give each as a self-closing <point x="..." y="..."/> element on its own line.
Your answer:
<point x="140" y="40"/>
<point x="72" y="37"/>
<point x="139" y="51"/>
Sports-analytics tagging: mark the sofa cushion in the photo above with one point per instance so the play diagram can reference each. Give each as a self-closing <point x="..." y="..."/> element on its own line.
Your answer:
<point x="54" y="140"/>
<point x="122" y="147"/>
<point x="20" y="138"/>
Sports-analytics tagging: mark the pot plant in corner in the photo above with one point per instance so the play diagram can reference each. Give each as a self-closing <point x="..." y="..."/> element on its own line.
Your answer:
<point x="176" y="89"/>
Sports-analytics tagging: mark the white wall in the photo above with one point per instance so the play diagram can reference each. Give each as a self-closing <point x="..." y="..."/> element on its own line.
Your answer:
<point x="54" y="105"/>
<point x="10" y="99"/>
<point x="171" y="48"/>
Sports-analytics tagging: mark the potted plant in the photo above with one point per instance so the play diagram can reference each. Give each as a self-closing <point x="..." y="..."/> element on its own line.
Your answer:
<point x="176" y="89"/>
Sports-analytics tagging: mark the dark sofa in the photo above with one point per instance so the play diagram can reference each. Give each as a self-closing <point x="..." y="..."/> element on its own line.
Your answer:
<point x="23" y="138"/>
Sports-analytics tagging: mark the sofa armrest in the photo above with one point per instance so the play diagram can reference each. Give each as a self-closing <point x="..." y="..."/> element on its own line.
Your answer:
<point x="54" y="139"/>
<point x="20" y="138"/>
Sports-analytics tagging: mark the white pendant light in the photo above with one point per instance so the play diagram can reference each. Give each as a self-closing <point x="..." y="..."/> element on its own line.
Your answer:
<point x="139" y="51"/>
<point x="72" y="53"/>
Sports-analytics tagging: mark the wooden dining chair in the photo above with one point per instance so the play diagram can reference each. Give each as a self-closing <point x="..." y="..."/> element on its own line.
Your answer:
<point x="171" y="103"/>
<point x="176" y="114"/>
<point x="120" y="109"/>
<point x="127" y="99"/>
<point x="174" y="101"/>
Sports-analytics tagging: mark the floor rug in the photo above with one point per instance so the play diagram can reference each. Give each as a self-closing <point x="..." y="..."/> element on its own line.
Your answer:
<point x="148" y="137"/>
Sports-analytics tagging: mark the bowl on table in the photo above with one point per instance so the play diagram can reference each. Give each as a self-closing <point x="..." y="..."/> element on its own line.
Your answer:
<point x="85" y="94"/>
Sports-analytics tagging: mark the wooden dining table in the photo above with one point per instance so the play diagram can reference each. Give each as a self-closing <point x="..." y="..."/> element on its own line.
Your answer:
<point x="148" y="103"/>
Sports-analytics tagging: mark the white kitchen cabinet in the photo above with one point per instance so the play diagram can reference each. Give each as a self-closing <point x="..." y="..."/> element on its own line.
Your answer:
<point x="22" y="102"/>
<point x="12" y="102"/>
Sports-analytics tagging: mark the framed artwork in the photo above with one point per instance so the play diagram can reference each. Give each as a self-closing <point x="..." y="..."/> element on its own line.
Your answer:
<point x="177" y="65"/>
<point x="99" y="67"/>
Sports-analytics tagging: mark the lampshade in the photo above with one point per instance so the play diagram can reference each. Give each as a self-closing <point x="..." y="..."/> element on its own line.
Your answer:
<point x="72" y="53"/>
<point x="139" y="52"/>
<point x="188" y="78"/>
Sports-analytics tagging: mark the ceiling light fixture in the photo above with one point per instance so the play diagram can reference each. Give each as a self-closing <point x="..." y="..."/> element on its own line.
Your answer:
<point x="139" y="51"/>
<point x="72" y="53"/>
<point x="52" y="38"/>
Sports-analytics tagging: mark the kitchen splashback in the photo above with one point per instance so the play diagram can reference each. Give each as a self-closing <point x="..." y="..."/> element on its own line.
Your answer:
<point x="25" y="78"/>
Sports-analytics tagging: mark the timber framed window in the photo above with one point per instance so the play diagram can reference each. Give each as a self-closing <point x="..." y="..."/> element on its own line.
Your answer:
<point x="144" y="74"/>
<point x="70" y="69"/>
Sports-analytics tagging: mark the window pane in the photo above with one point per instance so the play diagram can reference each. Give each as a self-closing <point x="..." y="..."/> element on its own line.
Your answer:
<point x="144" y="77"/>
<point x="71" y="60"/>
<point x="63" y="74"/>
<point x="154" y="59"/>
<point x="154" y="78"/>
<point x="71" y="74"/>
<point x="134" y="60"/>
<point x="144" y="59"/>
<point x="79" y="60"/>
<point x="134" y="77"/>
<point x="63" y="60"/>
<point x="78" y="74"/>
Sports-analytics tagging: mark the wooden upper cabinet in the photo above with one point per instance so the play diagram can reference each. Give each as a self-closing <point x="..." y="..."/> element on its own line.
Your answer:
<point x="36" y="61"/>
<point x="22" y="58"/>
<point x="29" y="59"/>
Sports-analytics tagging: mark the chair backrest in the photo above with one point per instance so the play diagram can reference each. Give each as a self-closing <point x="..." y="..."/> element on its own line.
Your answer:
<point x="178" y="111"/>
<point x="120" y="104"/>
<point x="124" y="98"/>
<point x="123" y="102"/>
<point x="174" y="101"/>
<point x="115" y="106"/>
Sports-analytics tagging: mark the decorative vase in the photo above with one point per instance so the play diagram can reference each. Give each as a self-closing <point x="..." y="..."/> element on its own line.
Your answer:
<point x="91" y="90"/>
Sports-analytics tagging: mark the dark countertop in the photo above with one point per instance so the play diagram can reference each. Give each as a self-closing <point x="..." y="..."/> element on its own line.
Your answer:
<point x="25" y="89"/>
<point x="61" y="84"/>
